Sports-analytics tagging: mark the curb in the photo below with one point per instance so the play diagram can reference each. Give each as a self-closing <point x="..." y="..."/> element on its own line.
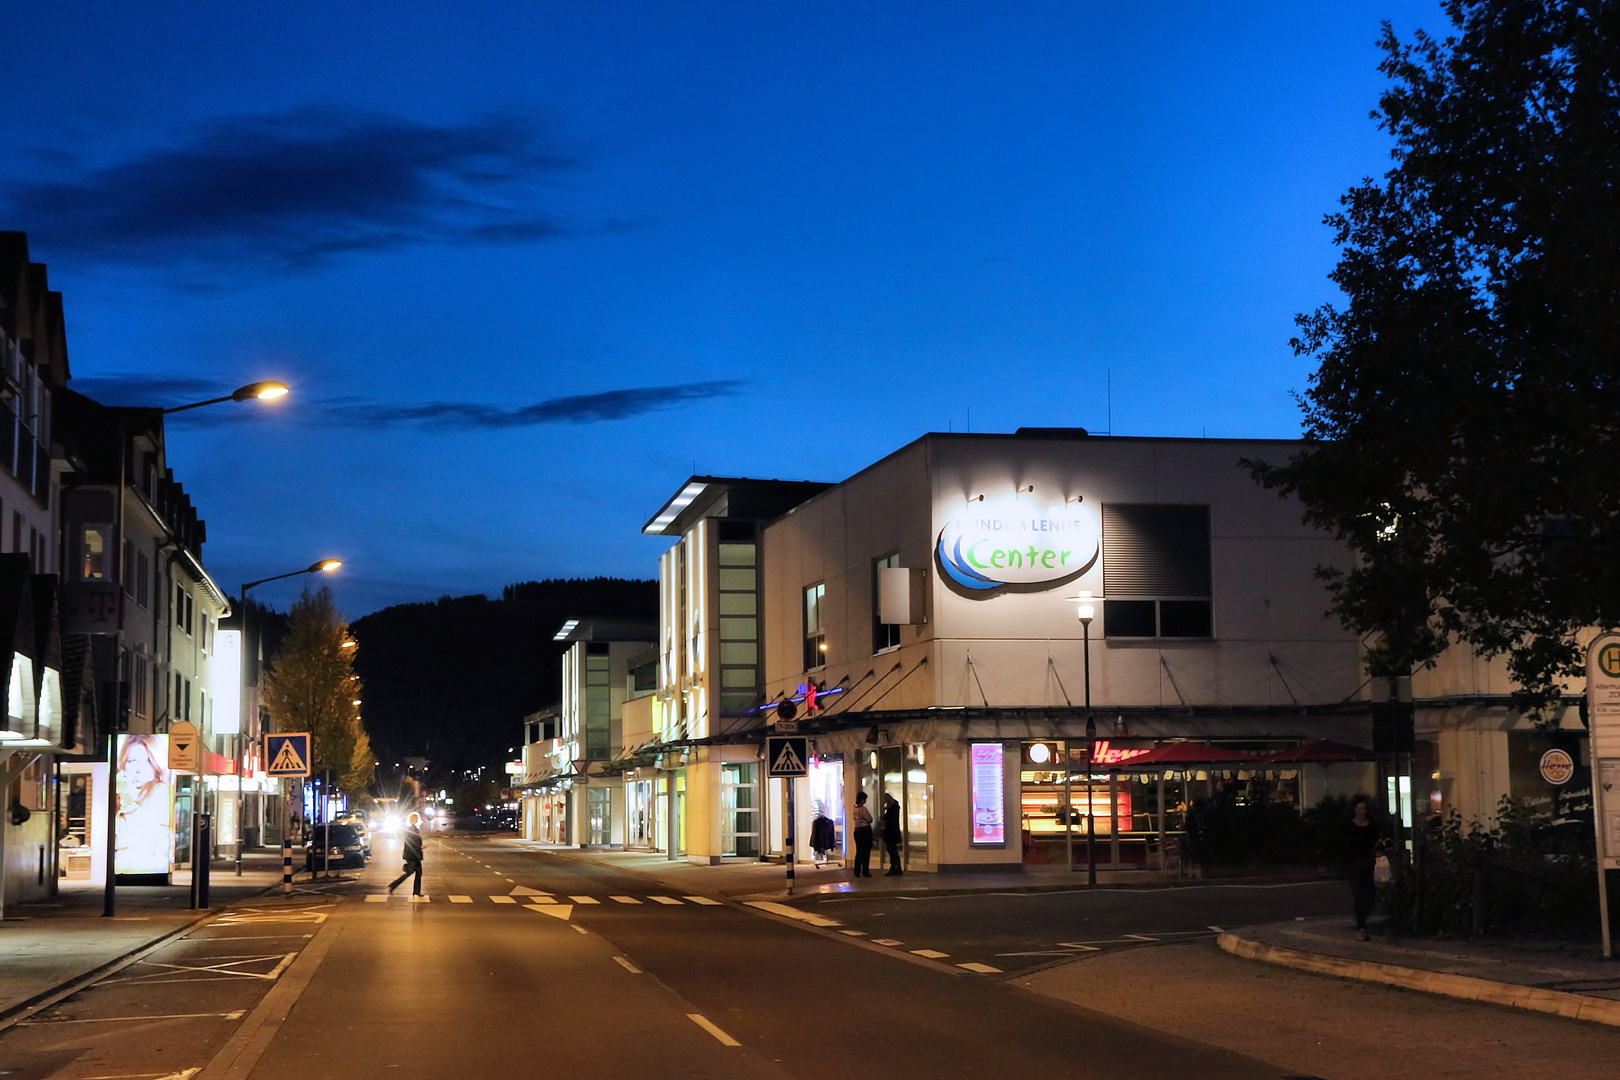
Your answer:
<point x="1466" y="987"/>
<point x="807" y="892"/>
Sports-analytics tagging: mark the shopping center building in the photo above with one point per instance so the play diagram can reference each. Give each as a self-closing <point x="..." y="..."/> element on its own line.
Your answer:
<point x="925" y="619"/>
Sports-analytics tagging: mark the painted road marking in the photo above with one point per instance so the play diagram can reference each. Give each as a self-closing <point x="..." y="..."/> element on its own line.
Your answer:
<point x="456" y="898"/>
<point x="421" y="898"/>
<point x="931" y="954"/>
<point x="625" y="899"/>
<point x="627" y="965"/>
<point x="793" y="913"/>
<point x="584" y="899"/>
<point x="237" y="1015"/>
<point x="707" y="1025"/>
<point x="502" y="900"/>
<point x="704" y="900"/>
<point x="983" y="969"/>
<point x="524" y="890"/>
<point x="381" y="898"/>
<point x="578" y="929"/>
<point x="854" y="933"/>
<point x="886" y="941"/>
<point x="561" y="911"/>
<point x="1082" y="946"/>
<point x="665" y="900"/>
<point x="1140" y="937"/>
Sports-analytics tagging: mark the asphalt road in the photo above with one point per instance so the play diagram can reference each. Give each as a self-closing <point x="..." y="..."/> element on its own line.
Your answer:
<point x="528" y="964"/>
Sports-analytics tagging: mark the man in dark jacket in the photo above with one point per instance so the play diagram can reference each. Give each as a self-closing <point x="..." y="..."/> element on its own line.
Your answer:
<point x="413" y="855"/>
<point x="891" y="834"/>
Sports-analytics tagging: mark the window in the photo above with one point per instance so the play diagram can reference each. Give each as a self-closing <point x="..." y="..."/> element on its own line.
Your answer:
<point x="884" y="635"/>
<point x="94" y="564"/>
<point x="815" y="637"/>
<point x="737" y="569"/>
<point x="143" y="580"/>
<point x="598" y="693"/>
<point x="1156" y="571"/>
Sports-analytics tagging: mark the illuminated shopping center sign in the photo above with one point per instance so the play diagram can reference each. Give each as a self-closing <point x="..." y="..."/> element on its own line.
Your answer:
<point x="1017" y="545"/>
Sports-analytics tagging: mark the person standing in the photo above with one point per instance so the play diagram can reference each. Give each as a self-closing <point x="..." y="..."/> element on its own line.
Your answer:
<point x="891" y="834"/>
<point x="1361" y="848"/>
<point x="861" y="817"/>
<point x="413" y="855"/>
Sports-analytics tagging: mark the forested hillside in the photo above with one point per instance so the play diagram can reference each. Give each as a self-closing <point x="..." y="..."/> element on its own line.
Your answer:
<point x="451" y="680"/>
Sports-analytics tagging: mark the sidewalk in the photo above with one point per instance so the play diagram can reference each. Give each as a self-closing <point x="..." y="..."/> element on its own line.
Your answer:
<point x="768" y="881"/>
<point x="47" y="946"/>
<point x="1565" y="979"/>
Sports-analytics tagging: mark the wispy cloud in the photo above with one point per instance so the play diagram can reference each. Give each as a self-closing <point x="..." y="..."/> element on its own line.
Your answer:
<point x="293" y="190"/>
<point x="608" y="405"/>
<point x="579" y="409"/>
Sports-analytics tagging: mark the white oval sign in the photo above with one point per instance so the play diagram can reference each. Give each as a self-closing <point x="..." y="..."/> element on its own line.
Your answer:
<point x="1016" y="545"/>
<point x="1557" y="767"/>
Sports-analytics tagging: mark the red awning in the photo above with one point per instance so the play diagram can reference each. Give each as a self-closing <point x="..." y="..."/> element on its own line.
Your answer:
<point x="1321" y="752"/>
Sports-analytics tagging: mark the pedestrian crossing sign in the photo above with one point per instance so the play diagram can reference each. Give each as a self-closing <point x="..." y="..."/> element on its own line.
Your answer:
<point x="287" y="753"/>
<point x="788" y="755"/>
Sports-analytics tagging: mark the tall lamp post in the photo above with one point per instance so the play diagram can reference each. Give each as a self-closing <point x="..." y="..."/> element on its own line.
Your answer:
<point x="321" y="566"/>
<point x="258" y="391"/>
<point x="1087" y="612"/>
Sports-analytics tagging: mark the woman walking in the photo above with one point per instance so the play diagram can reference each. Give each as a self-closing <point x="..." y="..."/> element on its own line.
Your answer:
<point x="1361" y="847"/>
<point x="413" y="855"/>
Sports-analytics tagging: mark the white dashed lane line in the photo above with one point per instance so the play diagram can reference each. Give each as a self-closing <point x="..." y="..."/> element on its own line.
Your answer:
<point x="709" y="1026"/>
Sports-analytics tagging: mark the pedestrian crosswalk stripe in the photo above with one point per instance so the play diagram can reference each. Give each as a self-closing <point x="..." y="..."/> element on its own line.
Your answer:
<point x="421" y="898"/>
<point x="854" y="933"/>
<point x="503" y="899"/>
<point x="931" y="954"/>
<point x="380" y="898"/>
<point x="455" y="899"/>
<point x="524" y="890"/>
<point x="584" y="899"/>
<point x="664" y="900"/>
<point x="541" y="900"/>
<point x="886" y="941"/>
<point x="625" y="899"/>
<point x="702" y="900"/>
<point x="982" y="969"/>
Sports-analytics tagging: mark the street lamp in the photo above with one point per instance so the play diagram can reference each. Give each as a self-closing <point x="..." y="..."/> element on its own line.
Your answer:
<point x="1087" y="612"/>
<point x="259" y="391"/>
<point x="319" y="566"/>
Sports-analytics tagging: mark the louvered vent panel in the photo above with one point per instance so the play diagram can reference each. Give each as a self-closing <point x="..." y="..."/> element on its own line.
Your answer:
<point x="1151" y="549"/>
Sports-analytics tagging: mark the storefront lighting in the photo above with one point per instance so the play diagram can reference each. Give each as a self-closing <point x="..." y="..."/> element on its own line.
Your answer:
<point x="1040" y="753"/>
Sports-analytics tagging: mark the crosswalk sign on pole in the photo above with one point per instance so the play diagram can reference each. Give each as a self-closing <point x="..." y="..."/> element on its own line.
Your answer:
<point x="287" y="753"/>
<point x="788" y="755"/>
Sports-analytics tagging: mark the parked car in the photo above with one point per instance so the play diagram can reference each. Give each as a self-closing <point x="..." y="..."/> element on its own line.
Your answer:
<point x="359" y="822"/>
<point x="346" y="848"/>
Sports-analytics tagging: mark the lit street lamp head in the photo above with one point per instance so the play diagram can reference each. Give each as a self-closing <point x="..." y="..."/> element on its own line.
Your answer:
<point x="264" y="391"/>
<point x="324" y="566"/>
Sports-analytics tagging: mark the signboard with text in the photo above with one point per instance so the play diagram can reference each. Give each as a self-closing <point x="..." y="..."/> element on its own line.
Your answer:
<point x="184" y="752"/>
<point x="989" y="794"/>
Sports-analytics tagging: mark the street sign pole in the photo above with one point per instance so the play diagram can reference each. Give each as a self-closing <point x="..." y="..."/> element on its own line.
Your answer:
<point x="1603" y="726"/>
<point x="788" y="757"/>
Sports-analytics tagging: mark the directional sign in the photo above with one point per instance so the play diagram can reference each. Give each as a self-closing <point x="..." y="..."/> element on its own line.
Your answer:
<point x="287" y="753"/>
<point x="183" y="753"/>
<point x="789" y="755"/>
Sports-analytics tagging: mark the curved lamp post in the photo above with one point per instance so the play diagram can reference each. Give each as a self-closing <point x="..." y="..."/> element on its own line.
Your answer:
<point x="319" y="566"/>
<point x="256" y="391"/>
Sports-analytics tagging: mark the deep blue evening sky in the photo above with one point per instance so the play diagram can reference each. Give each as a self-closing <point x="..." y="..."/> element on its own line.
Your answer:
<point x="527" y="265"/>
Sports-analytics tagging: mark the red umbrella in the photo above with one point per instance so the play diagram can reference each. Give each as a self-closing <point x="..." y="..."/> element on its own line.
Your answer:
<point x="1321" y="752"/>
<point x="1170" y="753"/>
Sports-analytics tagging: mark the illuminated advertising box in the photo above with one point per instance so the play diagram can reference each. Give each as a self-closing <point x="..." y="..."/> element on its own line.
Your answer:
<point x="145" y="830"/>
<point x="989" y="793"/>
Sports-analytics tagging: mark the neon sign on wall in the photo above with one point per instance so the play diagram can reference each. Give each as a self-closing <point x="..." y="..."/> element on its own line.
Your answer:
<point x="1104" y="754"/>
<point x="1014" y="545"/>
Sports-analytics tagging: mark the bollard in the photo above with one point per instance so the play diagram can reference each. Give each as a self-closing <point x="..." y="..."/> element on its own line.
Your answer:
<point x="201" y="864"/>
<point x="286" y="864"/>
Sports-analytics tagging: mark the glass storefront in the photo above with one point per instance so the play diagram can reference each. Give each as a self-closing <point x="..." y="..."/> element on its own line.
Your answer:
<point x="640" y="818"/>
<point x="827" y="799"/>
<point x="739" y="809"/>
<point x="1125" y="812"/>
<point x="901" y="773"/>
